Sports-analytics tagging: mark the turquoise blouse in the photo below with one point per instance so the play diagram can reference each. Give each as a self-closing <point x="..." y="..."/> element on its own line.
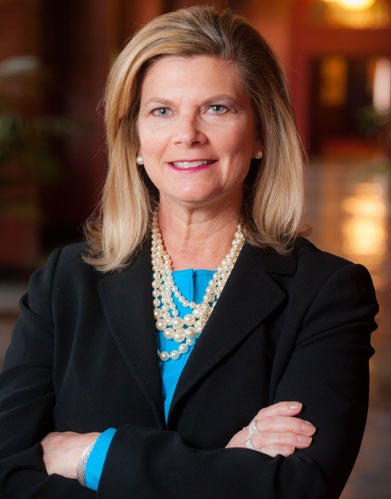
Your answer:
<point x="192" y="284"/>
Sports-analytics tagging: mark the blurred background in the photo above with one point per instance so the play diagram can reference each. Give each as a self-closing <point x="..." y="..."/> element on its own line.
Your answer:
<point x="54" y="59"/>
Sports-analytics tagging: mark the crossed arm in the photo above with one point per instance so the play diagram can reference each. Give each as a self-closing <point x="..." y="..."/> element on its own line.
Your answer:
<point x="276" y="430"/>
<point x="327" y="372"/>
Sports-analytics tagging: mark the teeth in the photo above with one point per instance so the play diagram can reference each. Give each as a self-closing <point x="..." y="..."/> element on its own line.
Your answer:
<point x="191" y="164"/>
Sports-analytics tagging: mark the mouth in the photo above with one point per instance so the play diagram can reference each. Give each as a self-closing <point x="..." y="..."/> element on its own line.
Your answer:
<point x="192" y="165"/>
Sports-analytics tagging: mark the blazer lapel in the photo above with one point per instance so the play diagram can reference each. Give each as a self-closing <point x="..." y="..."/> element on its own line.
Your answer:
<point x="248" y="298"/>
<point x="127" y="303"/>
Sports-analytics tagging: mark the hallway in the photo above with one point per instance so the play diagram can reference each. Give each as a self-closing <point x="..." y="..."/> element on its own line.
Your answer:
<point x="348" y="206"/>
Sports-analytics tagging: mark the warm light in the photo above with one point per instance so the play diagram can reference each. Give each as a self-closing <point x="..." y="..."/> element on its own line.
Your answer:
<point x="382" y="86"/>
<point x="357" y="14"/>
<point x="353" y="4"/>
<point x="356" y="4"/>
<point x="364" y="228"/>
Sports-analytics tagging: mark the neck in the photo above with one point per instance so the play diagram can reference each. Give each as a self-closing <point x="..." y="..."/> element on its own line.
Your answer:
<point x="195" y="239"/>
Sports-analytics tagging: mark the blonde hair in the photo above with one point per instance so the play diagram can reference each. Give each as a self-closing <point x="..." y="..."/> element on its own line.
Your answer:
<point x="273" y="191"/>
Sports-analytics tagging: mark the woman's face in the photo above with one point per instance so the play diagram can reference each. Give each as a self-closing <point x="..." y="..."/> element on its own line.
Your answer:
<point x="196" y="131"/>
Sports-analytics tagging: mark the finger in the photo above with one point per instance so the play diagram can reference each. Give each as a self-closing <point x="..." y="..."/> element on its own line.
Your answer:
<point x="284" y="424"/>
<point x="268" y="426"/>
<point x="281" y="409"/>
<point x="302" y="442"/>
<point x="267" y="439"/>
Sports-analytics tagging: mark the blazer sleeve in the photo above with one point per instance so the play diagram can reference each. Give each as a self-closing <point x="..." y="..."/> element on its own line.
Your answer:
<point x="27" y="400"/>
<point x="326" y="369"/>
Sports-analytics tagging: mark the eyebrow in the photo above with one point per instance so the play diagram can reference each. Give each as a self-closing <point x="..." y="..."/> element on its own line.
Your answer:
<point x="157" y="100"/>
<point x="210" y="100"/>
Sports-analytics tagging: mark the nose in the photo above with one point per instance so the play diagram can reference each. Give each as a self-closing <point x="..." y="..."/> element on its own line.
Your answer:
<point x="189" y="131"/>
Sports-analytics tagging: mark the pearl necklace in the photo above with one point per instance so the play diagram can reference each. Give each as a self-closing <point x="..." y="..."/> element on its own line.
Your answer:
<point x="184" y="331"/>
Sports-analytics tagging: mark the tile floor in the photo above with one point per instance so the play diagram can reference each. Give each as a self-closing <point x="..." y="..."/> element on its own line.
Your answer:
<point x="348" y="206"/>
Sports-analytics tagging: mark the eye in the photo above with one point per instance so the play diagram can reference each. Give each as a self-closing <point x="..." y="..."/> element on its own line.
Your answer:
<point x="218" y="109"/>
<point x="161" y="112"/>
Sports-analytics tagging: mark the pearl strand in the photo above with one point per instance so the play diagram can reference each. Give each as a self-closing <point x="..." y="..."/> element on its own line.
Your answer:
<point x="184" y="331"/>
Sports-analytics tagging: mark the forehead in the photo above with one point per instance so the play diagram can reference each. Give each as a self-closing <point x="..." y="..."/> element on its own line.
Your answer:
<point x="194" y="73"/>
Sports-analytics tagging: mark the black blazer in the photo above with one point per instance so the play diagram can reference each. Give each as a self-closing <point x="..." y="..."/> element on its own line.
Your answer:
<point x="83" y="358"/>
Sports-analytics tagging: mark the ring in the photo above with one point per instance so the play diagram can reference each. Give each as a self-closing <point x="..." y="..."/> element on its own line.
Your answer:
<point x="252" y="429"/>
<point x="249" y="445"/>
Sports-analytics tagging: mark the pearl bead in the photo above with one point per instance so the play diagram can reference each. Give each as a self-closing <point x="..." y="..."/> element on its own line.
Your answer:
<point x="174" y="355"/>
<point x="189" y="332"/>
<point x="188" y="319"/>
<point x="183" y="348"/>
<point x="164" y="356"/>
<point x="197" y="327"/>
<point x="177" y="322"/>
<point x="178" y="336"/>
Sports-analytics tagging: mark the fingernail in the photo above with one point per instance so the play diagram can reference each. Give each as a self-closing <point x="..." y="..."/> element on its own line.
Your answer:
<point x="293" y="406"/>
<point x="303" y="440"/>
<point x="307" y="426"/>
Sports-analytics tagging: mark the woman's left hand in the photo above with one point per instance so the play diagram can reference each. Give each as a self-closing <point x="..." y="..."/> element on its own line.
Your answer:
<point x="276" y="429"/>
<point x="62" y="451"/>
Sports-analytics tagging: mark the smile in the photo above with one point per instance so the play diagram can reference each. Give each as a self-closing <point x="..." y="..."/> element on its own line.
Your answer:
<point x="191" y="165"/>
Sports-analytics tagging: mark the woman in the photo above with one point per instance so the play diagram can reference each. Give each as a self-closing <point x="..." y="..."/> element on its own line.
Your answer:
<point x="246" y="377"/>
